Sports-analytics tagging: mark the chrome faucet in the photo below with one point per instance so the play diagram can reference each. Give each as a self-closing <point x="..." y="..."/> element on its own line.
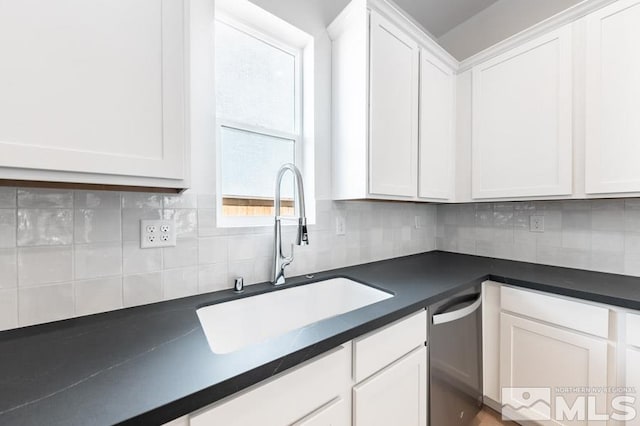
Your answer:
<point x="281" y="261"/>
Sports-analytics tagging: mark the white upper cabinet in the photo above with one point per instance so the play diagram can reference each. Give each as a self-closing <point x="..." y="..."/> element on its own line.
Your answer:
<point x="613" y="99"/>
<point x="376" y="98"/>
<point x="522" y="120"/>
<point x="437" y="116"/>
<point x="93" y="91"/>
<point x="394" y="82"/>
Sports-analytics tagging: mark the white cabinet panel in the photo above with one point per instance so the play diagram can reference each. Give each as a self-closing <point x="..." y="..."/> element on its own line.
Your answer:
<point x="633" y="381"/>
<point x="393" y="137"/>
<point x="491" y="341"/>
<point x="522" y="120"/>
<point x="633" y="329"/>
<point x="437" y="144"/>
<point x="284" y="399"/>
<point x="534" y="355"/>
<point x="93" y="87"/>
<point x="613" y="99"/>
<point x="396" y="395"/>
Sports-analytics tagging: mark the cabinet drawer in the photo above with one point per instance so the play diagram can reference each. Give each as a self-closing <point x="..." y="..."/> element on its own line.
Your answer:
<point x="633" y="329"/>
<point x="571" y="314"/>
<point x="380" y="348"/>
<point x="283" y="399"/>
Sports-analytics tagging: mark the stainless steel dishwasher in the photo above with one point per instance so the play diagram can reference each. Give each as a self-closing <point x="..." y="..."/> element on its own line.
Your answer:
<point x="455" y="359"/>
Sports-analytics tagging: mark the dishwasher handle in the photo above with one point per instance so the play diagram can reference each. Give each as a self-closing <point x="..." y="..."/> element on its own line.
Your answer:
<point x="446" y="317"/>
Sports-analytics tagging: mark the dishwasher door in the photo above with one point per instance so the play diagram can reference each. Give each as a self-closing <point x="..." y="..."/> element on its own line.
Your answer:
<point x="455" y="359"/>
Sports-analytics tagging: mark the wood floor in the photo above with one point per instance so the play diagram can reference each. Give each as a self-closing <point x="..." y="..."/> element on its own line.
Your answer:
<point x="488" y="417"/>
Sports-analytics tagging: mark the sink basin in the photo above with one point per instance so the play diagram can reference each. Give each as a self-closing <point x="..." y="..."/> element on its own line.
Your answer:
<point x="233" y="325"/>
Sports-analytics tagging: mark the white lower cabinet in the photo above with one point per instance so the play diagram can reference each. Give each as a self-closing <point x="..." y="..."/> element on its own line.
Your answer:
<point x="395" y="395"/>
<point x="538" y="359"/>
<point x="633" y="382"/>
<point x="391" y="388"/>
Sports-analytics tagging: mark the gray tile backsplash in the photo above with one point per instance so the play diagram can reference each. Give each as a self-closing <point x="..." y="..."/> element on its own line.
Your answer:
<point x="70" y="253"/>
<point x="599" y="235"/>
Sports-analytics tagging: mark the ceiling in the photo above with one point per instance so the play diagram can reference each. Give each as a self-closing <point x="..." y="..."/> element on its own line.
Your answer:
<point x="439" y="16"/>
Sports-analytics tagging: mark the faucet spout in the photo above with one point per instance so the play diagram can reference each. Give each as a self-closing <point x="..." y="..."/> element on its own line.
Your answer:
<point x="280" y="262"/>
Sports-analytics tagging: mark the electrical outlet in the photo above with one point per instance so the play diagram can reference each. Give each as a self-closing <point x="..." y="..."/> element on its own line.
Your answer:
<point x="417" y="222"/>
<point x="157" y="233"/>
<point x="536" y="223"/>
<point x="341" y="226"/>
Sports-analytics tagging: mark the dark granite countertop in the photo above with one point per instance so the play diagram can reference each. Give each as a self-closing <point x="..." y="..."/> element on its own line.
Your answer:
<point x="152" y="364"/>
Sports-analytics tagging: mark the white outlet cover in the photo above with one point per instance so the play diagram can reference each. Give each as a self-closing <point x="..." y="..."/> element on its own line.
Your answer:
<point x="341" y="225"/>
<point x="536" y="223"/>
<point x="157" y="233"/>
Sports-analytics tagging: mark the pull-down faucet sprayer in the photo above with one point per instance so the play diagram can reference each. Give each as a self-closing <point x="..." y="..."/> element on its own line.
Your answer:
<point x="279" y="260"/>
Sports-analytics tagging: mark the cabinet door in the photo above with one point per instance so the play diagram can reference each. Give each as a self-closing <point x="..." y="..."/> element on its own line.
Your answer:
<point x="522" y="125"/>
<point x="393" y="115"/>
<point x="633" y="381"/>
<point x="94" y="87"/>
<point x="396" y="395"/>
<point x="436" y="147"/>
<point x="613" y="99"/>
<point x="530" y="374"/>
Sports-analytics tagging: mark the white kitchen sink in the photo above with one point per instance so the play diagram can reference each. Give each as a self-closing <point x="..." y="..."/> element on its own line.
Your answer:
<point x="233" y="325"/>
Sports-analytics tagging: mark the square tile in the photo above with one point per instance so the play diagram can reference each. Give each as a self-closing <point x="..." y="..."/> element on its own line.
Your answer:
<point x="97" y="260"/>
<point x="181" y="282"/>
<point x="38" y="305"/>
<point x="43" y="265"/>
<point x="142" y="289"/>
<point x="8" y="198"/>
<point x="40" y="227"/>
<point x="608" y="241"/>
<point x="607" y="215"/>
<point x="181" y="201"/>
<point x="100" y="295"/>
<point x="8" y="268"/>
<point x="97" y="226"/>
<point x="8" y="309"/>
<point x="7" y="228"/>
<point x="138" y="200"/>
<point x="213" y="277"/>
<point x="207" y="224"/>
<point x="185" y="253"/>
<point x="97" y="200"/>
<point x="212" y="250"/>
<point x="609" y="262"/>
<point x="33" y="198"/>
<point x="137" y="261"/>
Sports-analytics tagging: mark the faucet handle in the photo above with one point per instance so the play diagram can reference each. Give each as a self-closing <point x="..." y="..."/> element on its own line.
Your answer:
<point x="303" y="234"/>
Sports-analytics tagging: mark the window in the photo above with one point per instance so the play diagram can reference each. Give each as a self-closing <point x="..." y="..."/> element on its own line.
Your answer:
<point x="258" y="108"/>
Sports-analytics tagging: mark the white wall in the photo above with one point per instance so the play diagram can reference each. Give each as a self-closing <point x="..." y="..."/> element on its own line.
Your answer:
<point x="498" y="22"/>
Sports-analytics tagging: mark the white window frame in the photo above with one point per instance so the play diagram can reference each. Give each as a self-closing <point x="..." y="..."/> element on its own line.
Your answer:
<point x="226" y="122"/>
